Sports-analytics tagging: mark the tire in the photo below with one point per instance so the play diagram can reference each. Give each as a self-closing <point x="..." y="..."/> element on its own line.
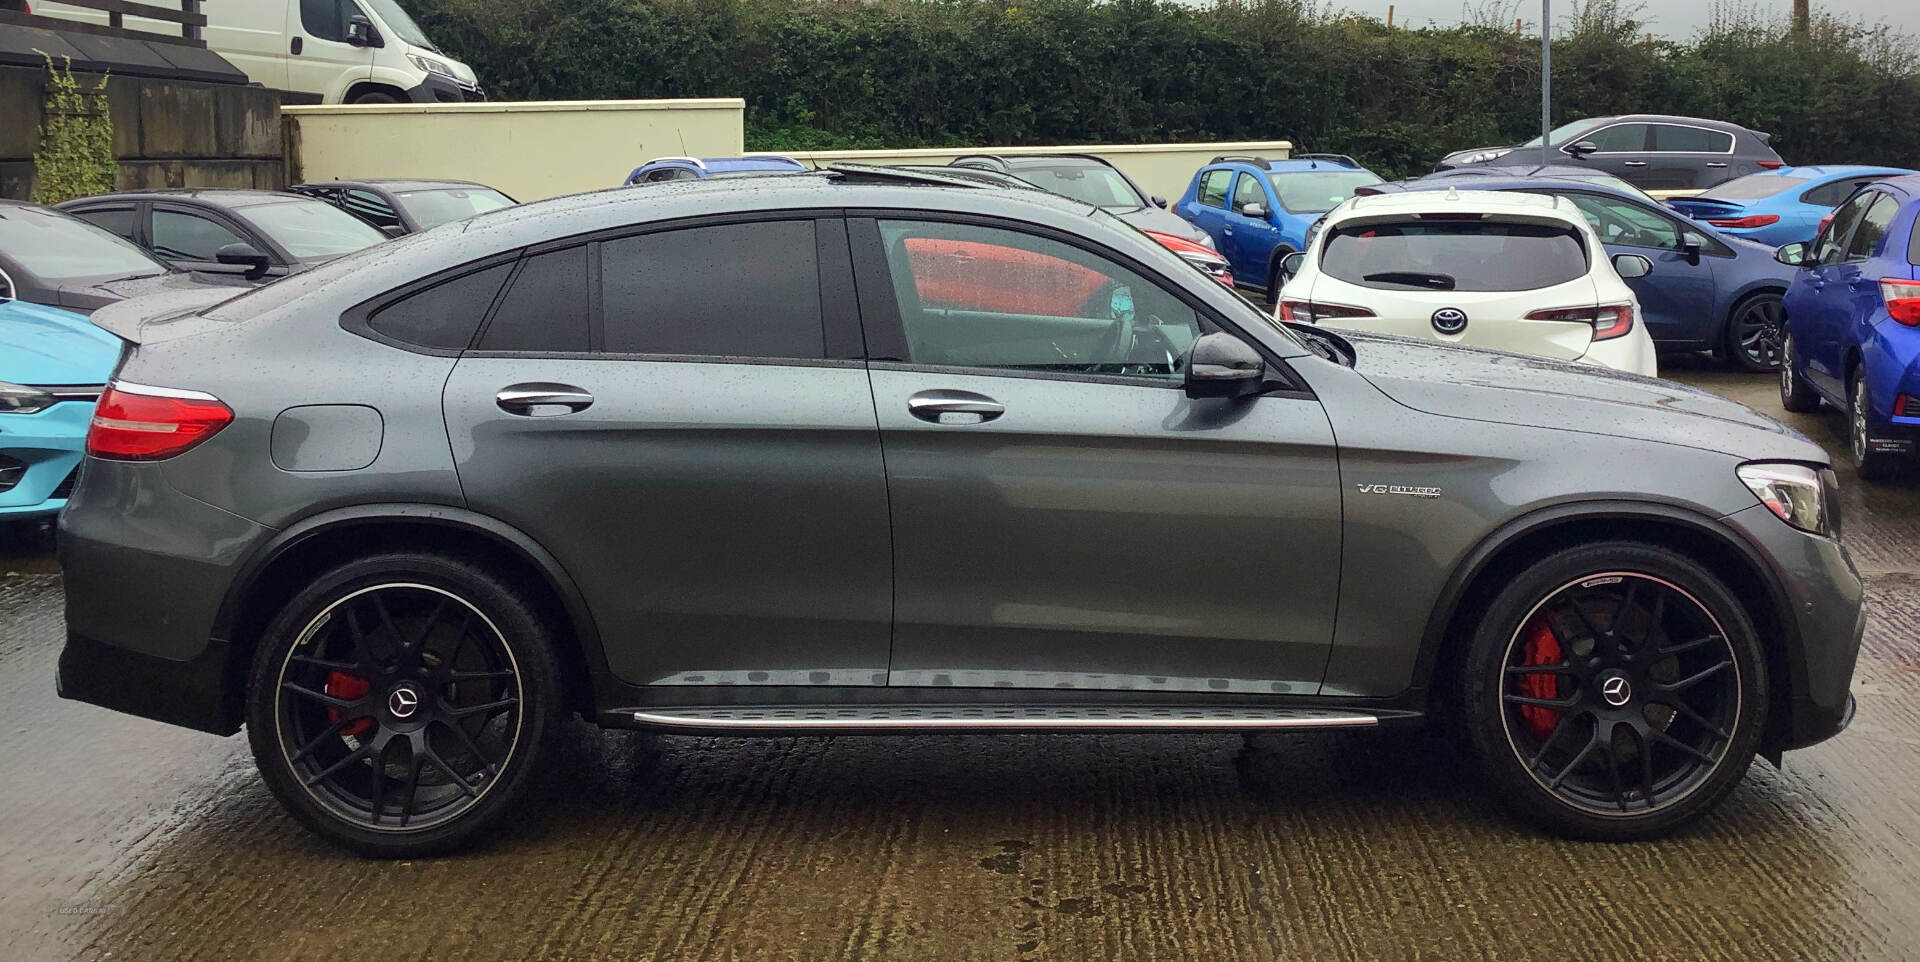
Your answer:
<point x="1872" y="465"/>
<point x="376" y="97"/>
<point x="1796" y="394"/>
<point x="1696" y="647"/>
<point x="336" y="740"/>
<point x="1273" y="276"/>
<point x="1755" y="329"/>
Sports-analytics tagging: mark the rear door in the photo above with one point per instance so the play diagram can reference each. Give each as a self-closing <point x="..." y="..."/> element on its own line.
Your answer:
<point x="1210" y="212"/>
<point x="1621" y="151"/>
<point x="1686" y="157"/>
<point x="1059" y="505"/>
<point x="1818" y="307"/>
<point x="1249" y="240"/>
<point x="1677" y="298"/>
<point x="682" y="418"/>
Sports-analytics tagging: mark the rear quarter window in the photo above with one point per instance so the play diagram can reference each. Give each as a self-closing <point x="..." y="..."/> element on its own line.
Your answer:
<point x="442" y="317"/>
<point x="1455" y="256"/>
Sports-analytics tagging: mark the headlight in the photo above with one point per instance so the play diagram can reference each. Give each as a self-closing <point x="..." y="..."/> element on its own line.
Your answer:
<point x="430" y="65"/>
<point x="1792" y="491"/>
<point x="21" y="399"/>
<point x="1481" y="156"/>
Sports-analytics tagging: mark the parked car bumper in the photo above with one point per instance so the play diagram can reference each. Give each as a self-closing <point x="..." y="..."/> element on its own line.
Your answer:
<point x="38" y="456"/>
<point x="437" y="89"/>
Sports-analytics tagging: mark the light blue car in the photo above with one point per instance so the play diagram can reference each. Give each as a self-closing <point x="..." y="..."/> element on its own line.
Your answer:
<point x="1784" y="206"/>
<point x="52" y="366"/>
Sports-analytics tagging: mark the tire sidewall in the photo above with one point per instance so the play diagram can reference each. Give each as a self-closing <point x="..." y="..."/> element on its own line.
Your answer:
<point x="533" y="651"/>
<point x="1734" y="352"/>
<point x="1483" y="674"/>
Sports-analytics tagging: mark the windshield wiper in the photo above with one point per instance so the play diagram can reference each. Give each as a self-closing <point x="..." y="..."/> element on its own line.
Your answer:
<point x="1438" y="282"/>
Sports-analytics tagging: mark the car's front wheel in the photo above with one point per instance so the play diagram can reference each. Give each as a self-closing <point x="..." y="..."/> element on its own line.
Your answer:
<point x="1614" y="691"/>
<point x="399" y="703"/>
<point x="1755" y="331"/>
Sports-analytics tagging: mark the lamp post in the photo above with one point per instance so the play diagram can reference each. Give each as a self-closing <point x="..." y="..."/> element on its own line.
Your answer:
<point x="1546" y="81"/>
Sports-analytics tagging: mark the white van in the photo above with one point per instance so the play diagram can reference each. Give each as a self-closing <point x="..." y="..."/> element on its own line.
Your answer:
<point x="320" y="51"/>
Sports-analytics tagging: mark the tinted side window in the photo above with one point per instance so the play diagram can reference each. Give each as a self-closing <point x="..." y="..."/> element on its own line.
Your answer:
<point x="1826" y="247"/>
<point x="1830" y="195"/>
<point x="1247" y="191"/>
<point x="119" y="220"/>
<point x="1213" y="187"/>
<point x="326" y="19"/>
<point x="1873" y="227"/>
<point x="1629" y="225"/>
<point x="545" y="311"/>
<point x="443" y="316"/>
<point x="1619" y="138"/>
<point x="1678" y="138"/>
<point x="371" y="207"/>
<point x="731" y="290"/>
<point x="189" y="236"/>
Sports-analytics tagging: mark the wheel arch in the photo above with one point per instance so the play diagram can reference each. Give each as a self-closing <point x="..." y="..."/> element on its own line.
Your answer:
<point x="1741" y="297"/>
<point x="359" y="87"/>
<point x="1697" y="536"/>
<point x="274" y="572"/>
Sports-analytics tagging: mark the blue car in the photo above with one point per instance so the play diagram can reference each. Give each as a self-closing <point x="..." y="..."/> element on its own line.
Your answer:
<point x="1257" y="211"/>
<point x="1778" y="207"/>
<point x="1853" y="323"/>
<point x="1707" y="291"/>
<point x="663" y="169"/>
<point x="52" y="366"/>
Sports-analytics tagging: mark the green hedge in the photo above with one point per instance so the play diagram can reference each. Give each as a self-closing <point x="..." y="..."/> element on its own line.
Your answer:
<point x="898" y="73"/>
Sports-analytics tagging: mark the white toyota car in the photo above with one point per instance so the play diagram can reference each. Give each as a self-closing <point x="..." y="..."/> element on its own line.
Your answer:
<point x="1498" y="269"/>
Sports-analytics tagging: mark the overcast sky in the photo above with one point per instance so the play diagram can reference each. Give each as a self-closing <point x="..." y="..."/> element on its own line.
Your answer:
<point x="1678" y="19"/>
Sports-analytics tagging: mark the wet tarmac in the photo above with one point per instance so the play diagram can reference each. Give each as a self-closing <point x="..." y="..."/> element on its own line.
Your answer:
<point x="130" y="840"/>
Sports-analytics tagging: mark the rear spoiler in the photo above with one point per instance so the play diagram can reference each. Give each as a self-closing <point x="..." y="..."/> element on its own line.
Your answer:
<point x="157" y="317"/>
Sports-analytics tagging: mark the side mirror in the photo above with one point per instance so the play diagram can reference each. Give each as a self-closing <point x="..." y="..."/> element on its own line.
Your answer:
<point x="360" y="32"/>
<point x="1630" y="266"/>
<point x="1221" y="365"/>
<point x="1581" y="148"/>
<point x="1257" y="211"/>
<point x="247" y="256"/>
<point x="1792" y="255"/>
<point x="1290" y="265"/>
<point x="1690" y="245"/>
<point x="1159" y="201"/>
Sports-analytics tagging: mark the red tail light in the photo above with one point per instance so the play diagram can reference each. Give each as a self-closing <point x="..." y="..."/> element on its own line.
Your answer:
<point x="1900" y="402"/>
<point x="1756" y="220"/>
<point x="1609" y="320"/>
<point x="1772" y="164"/>
<point x="138" y="423"/>
<point x="1312" y="312"/>
<point x="1824" y="221"/>
<point x="1903" y="299"/>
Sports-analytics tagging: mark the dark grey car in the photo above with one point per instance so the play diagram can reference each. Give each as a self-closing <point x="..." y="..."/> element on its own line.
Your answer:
<point x="1649" y="151"/>
<point x="53" y="258"/>
<point x="272" y="232"/>
<point x="877" y="450"/>
<point x="399" y="207"/>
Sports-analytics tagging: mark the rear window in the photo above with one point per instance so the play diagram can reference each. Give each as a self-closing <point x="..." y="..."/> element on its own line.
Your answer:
<point x="1316" y="192"/>
<point x="1455" y="256"/>
<point x="435" y="207"/>
<point x="1753" y="187"/>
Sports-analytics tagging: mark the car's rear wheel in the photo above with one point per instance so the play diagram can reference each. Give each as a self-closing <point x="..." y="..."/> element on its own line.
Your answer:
<point x="1873" y="465"/>
<point x="1755" y="331"/>
<point x="1796" y="394"/>
<point x="399" y="703"/>
<point x="1614" y="692"/>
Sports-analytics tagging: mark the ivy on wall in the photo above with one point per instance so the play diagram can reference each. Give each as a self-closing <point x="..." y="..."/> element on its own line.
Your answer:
<point x="75" y="156"/>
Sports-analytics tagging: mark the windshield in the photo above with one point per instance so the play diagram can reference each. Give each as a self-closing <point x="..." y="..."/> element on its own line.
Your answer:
<point x="397" y="21"/>
<point x="1099" y="186"/>
<point x="435" y="207"/>
<point x="1561" y="133"/>
<point x="1455" y="256"/>
<point x="1318" y="191"/>
<point x="61" y="249"/>
<point x="1753" y="187"/>
<point x="311" y="230"/>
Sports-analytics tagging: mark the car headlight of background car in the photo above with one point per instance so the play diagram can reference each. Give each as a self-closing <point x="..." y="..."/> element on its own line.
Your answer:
<point x="21" y="399"/>
<point x="430" y="65"/>
<point x="1480" y="156"/>
<point x="1795" y="492"/>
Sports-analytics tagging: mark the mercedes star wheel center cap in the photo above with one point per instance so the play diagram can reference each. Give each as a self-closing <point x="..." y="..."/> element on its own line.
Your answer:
<point x="403" y="702"/>
<point x="1616" y="690"/>
<point x="1449" y="320"/>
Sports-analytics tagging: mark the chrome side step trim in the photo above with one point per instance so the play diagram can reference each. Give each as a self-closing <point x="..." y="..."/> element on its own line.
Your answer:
<point x="1000" y="717"/>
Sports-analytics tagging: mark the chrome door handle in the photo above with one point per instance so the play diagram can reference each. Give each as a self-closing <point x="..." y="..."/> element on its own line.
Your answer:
<point x="1716" y="163"/>
<point x="1634" y="163"/>
<point x="526" y="400"/>
<point x="954" y="407"/>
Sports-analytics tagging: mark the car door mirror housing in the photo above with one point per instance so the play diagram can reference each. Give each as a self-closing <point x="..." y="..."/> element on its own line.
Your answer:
<point x="1222" y="365"/>
<point x="1256" y="210"/>
<point x="1158" y="201"/>
<point x="247" y="256"/>
<point x="1792" y="255"/>
<point x="1630" y="266"/>
<point x="360" y="32"/>
<point x="1291" y="264"/>
<point x="1581" y="148"/>
<point x="1691" y="245"/>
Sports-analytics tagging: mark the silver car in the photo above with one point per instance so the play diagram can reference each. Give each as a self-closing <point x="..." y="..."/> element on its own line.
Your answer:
<point x="874" y="450"/>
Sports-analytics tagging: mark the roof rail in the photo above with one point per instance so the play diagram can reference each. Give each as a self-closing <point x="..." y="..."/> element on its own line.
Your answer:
<point x="841" y="170"/>
<point x="1247" y="158"/>
<point x="695" y="161"/>
<point x="1343" y="158"/>
<point x="994" y="158"/>
<point x="771" y="156"/>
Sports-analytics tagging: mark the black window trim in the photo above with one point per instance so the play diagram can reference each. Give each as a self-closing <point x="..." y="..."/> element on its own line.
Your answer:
<point x="356" y="319"/>
<point x="886" y="335"/>
<point x="225" y="218"/>
<point x="1226" y="196"/>
<point x="1848" y="256"/>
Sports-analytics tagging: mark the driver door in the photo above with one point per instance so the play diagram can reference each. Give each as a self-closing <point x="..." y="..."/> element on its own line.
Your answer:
<point x="1063" y="515"/>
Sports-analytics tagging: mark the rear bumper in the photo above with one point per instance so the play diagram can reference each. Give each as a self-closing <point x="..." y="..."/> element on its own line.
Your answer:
<point x="201" y="693"/>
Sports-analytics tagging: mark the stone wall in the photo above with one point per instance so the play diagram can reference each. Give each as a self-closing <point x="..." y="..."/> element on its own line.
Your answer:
<point x="166" y="133"/>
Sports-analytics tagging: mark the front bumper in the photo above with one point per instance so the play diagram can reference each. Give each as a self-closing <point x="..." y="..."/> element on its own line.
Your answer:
<point x="438" y="89"/>
<point x="39" y="454"/>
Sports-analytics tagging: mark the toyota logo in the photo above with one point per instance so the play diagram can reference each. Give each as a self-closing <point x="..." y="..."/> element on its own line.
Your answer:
<point x="1616" y="691"/>
<point x="1449" y="320"/>
<point x="403" y="702"/>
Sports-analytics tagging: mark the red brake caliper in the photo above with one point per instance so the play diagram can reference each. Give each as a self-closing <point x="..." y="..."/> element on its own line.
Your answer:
<point x="342" y="685"/>
<point x="1539" y="648"/>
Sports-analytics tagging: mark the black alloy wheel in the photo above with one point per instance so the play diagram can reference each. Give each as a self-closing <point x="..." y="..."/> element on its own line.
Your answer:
<point x="1756" y="332"/>
<point x="1619" y="701"/>
<point x="389" y="710"/>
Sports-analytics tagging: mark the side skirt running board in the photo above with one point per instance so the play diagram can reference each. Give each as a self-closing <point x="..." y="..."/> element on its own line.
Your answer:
<point x="1033" y="718"/>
